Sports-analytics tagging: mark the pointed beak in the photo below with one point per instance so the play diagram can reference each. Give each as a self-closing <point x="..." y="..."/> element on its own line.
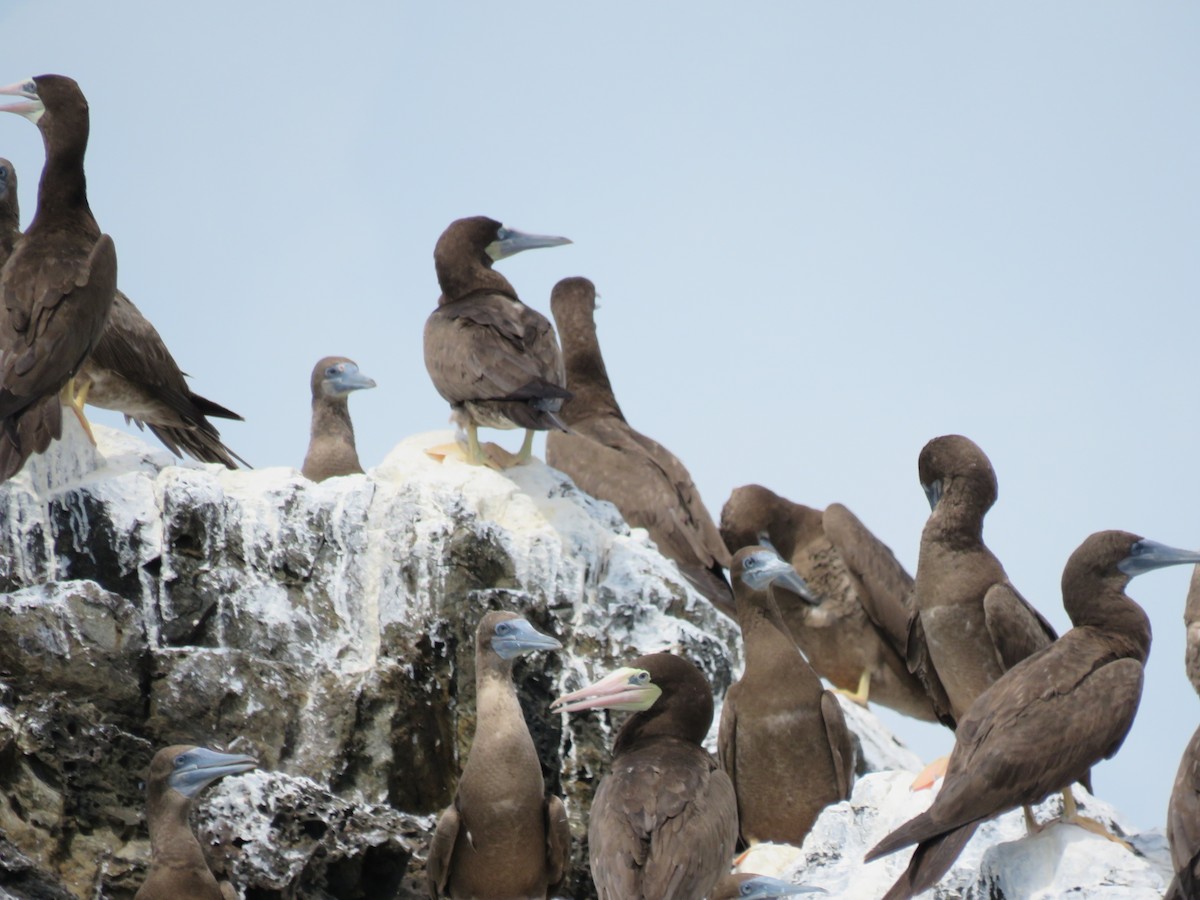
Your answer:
<point x="760" y="887"/>
<point x="1145" y="556"/>
<point x="32" y="109"/>
<point x="350" y="380"/>
<point x="509" y="241"/>
<point x="522" y="638"/>
<point x="933" y="492"/>
<point x="785" y="576"/>
<point x="625" y="688"/>
<point x="204" y="766"/>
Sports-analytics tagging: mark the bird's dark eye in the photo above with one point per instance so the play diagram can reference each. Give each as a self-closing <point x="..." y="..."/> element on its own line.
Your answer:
<point x="30" y="87"/>
<point x="640" y="678"/>
<point x="746" y="889"/>
<point x="181" y="760"/>
<point x="504" y="628"/>
<point x="751" y="562"/>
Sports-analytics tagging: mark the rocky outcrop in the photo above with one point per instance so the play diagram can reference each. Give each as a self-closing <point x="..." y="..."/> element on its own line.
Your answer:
<point x="328" y="629"/>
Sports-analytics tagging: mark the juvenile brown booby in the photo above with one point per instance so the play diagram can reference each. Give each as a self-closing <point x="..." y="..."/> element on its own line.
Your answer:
<point x="177" y="867"/>
<point x="1050" y="717"/>
<point x="853" y="623"/>
<point x="609" y="459"/>
<point x="495" y="359"/>
<point x="56" y="288"/>
<point x="503" y="838"/>
<point x="331" y="449"/>
<point x="783" y="739"/>
<point x="131" y="370"/>
<point x="970" y="625"/>
<point x="1183" y="812"/>
<point x="664" y="819"/>
<point x="748" y="886"/>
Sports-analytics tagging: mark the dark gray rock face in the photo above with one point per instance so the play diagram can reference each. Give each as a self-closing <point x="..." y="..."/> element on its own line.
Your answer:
<point x="326" y="628"/>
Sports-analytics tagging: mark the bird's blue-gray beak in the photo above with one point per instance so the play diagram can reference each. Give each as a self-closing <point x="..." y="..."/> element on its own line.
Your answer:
<point x="766" y="567"/>
<point x="513" y="637"/>
<point x="33" y="108"/>
<point x="199" y="767"/>
<point x="510" y="241"/>
<point x="1144" y="556"/>
<point x="933" y="492"/>
<point x="761" y="887"/>
<point x="344" y="378"/>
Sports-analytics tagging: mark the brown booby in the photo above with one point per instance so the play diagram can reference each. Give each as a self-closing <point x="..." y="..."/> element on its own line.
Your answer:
<point x="612" y="461"/>
<point x="664" y="819"/>
<point x="331" y="450"/>
<point x="57" y="287"/>
<point x="503" y="837"/>
<point x="177" y="865"/>
<point x="131" y="370"/>
<point x="748" y="886"/>
<point x="495" y="359"/>
<point x="1049" y="718"/>
<point x="970" y="625"/>
<point x="853" y="623"/>
<point x="783" y="739"/>
<point x="1183" y="812"/>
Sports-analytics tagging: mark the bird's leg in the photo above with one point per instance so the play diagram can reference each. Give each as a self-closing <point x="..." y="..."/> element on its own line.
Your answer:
<point x="474" y="453"/>
<point x="69" y="397"/>
<point x="1031" y="824"/>
<point x="864" y="690"/>
<point x="526" y="452"/>
<point x="931" y="773"/>
<point x="1071" y="816"/>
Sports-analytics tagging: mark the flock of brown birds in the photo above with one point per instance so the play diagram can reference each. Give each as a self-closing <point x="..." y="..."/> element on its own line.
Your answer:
<point x="815" y="593"/>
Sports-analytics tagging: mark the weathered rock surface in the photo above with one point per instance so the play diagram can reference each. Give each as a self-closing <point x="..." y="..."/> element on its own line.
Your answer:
<point x="328" y="628"/>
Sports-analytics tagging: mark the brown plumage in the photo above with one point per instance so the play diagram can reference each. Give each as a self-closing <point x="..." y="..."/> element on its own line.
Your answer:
<point x="970" y="625"/>
<point x="858" y="622"/>
<point x="663" y="823"/>
<point x="503" y="838"/>
<point x="331" y="450"/>
<point x="492" y="357"/>
<point x="178" y="870"/>
<point x="1050" y="717"/>
<point x="1183" y="813"/>
<point x="783" y="739"/>
<point x="611" y="460"/>
<point x="131" y="370"/>
<point x="57" y="286"/>
<point x="10" y="211"/>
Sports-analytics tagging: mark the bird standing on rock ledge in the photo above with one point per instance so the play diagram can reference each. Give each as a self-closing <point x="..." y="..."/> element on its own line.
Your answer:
<point x="56" y="289"/>
<point x="495" y="359"/>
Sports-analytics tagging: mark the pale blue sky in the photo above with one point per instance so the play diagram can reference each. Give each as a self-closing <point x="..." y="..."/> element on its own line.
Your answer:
<point x="823" y="233"/>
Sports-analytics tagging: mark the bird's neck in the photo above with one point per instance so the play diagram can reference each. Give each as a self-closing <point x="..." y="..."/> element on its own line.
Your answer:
<point x="764" y="635"/>
<point x="1124" y="625"/>
<point x="587" y="377"/>
<point x="462" y="281"/>
<point x="331" y="416"/>
<point x="171" y="839"/>
<point x="62" y="190"/>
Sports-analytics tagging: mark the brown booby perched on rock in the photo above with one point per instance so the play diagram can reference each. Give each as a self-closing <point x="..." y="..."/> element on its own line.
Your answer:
<point x="331" y="448"/>
<point x="502" y="838"/>
<point x="131" y="370"/>
<point x="970" y="625"/>
<point x="57" y="287"/>
<point x="664" y="820"/>
<point x="748" y="886"/>
<point x="783" y="739"/>
<point x="1049" y="718"/>
<point x="495" y="359"/>
<point x="612" y="461"/>
<point x="1183" y="813"/>
<point x="177" y="867"/>
<point x="853" y="623"/>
